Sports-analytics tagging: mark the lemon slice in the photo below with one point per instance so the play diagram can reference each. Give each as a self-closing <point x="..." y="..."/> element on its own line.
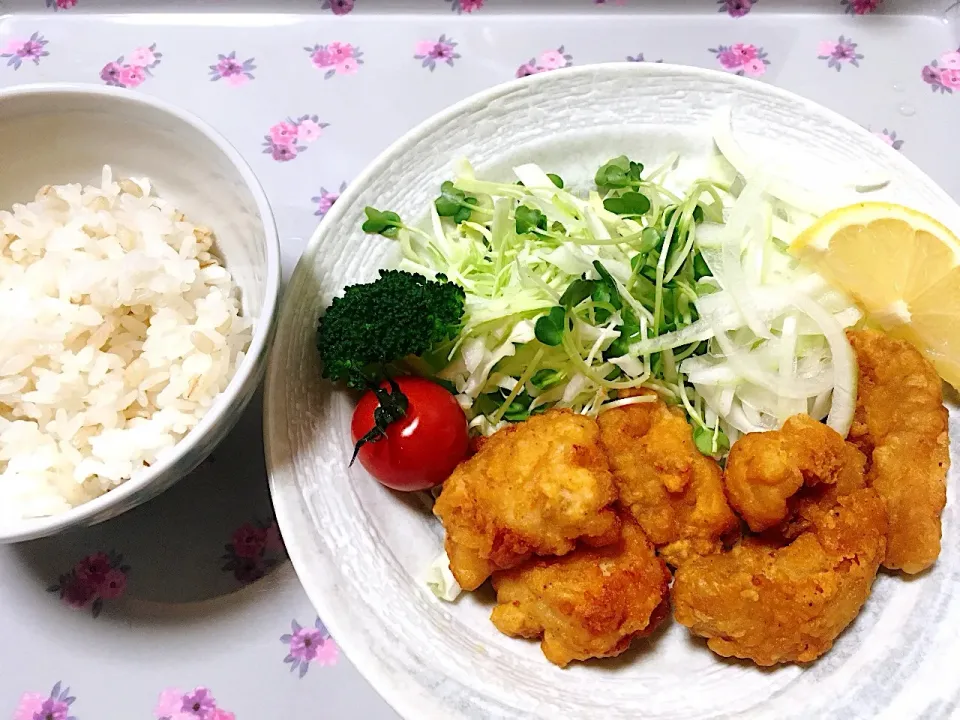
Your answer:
<point x="902" y="266"/>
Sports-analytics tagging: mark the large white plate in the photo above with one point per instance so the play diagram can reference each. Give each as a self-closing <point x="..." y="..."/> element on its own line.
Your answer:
<point x="360" y="551"/>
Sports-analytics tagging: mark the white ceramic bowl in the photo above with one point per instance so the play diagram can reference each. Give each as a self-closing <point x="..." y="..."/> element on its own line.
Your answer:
<point x="360" y="550"/>
<point x="61" y="133"/>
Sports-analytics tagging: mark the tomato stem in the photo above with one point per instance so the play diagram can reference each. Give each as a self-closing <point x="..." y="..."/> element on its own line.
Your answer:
<point x="392" y="407"/>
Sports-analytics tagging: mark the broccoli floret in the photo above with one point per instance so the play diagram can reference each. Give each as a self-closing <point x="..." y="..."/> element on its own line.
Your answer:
<point x="379" y="323"/>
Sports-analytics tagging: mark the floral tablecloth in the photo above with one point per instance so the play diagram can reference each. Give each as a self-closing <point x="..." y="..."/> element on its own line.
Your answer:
<point x="186" y="608"/>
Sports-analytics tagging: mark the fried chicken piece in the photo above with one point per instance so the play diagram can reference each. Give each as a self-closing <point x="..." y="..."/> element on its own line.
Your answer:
<point x="533" y="488"/>
<point x="588" y="604"/>
<point x="811" y="502"/>
<point x="775" y="604"/>
<point x="670" y="487"/>
<point x="901" y="426"/>
<point x="764" y="470"/>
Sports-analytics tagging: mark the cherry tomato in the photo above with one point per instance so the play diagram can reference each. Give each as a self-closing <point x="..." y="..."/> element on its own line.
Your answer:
<point x="422" y="448"/>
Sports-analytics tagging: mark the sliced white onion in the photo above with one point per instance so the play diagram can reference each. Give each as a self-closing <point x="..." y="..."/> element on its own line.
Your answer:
<point x="758" y="418"/>
<point x="765" y="402"/>
<point x="719" y="375"/>
<point x="726" y="398"/>
<point x="751" y="370"/>
<point x="849" y="317"/>
<point x="696" y="332"/>
<point x="784" y="231"/>
<point x="787" y="352"/>
<point x="843" y="399"/>
<point x="777" y="395"/>
<point x="820" y="406"/>
<point x="791" y="191"/>
<point x="742" y="216"/>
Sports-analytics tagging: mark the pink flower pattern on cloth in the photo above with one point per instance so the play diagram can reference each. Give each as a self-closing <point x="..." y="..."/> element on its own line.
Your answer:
<point x="254" y="549"/>
<point x="736" y="8"/>
<point x="839" y="53"/>
<point x="545" y="61"/>
<point x="325" y="200"/>
<point x="338" y="7"/>
<point x="742" y="59"/>
<point x="17" y="51"/>
<point x="430" y="53"/>
<point x="465" y="6"/>
<point x="197" y="704"/>
<point x="97" y="577"/>
<point x="231" y="70"/>
<point x="336" y="59"/>
<point x="943" y="75"/>
<point x="60" y="4"/>
<point x="133" y="71"/>
<point x="860" y="7"/>
<point x="308" y="645"/>
<point x="890" y="138"/>
<point x="55" y="706"/>
<point x="289" y="138"/>
<point x="639" y="57"/>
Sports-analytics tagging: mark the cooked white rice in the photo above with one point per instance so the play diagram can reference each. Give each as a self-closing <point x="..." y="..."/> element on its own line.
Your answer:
<point x="118" y="328"/>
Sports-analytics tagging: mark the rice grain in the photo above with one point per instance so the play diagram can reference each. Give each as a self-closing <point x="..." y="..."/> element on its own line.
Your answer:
<point x="120" y="327"/>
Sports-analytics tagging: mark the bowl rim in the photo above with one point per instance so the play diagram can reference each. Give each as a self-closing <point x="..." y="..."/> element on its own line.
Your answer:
<point x="250" y="367"/>
<point x="401" y="698"/>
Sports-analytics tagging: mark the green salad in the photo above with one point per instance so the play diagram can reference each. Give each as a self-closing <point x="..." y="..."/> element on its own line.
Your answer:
<point x="577" y="297"/>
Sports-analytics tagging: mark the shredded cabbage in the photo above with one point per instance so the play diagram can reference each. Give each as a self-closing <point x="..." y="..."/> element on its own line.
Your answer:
<point x="573" y="295"/>
<point x="441" y="581"/>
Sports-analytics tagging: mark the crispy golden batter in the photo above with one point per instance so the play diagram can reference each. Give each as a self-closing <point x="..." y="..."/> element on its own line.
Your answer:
<point x="811" y="502"/>
<point x="765" y="470"/>
<point x="534" y="488"/>
<point x="588" y="604"/>
<point x="901" y="426"/>
<point x="673" y="491"/>
<point x="774" y="604"/>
